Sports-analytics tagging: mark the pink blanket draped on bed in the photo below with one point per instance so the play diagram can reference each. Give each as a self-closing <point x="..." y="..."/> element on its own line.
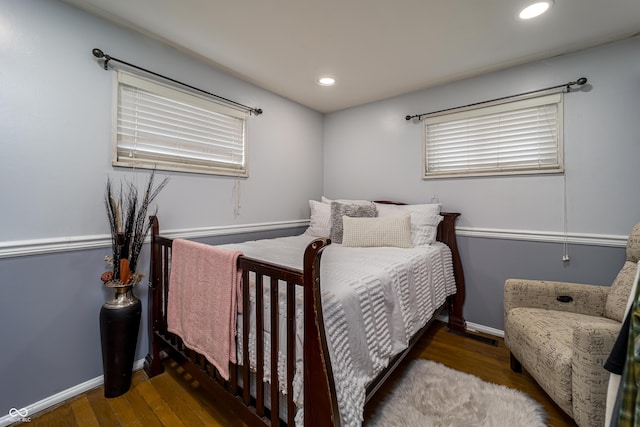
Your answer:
<point x="202" y="305"/>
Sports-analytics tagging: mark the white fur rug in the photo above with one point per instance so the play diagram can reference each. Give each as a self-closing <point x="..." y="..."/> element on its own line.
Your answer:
<point x="431" y="394"/>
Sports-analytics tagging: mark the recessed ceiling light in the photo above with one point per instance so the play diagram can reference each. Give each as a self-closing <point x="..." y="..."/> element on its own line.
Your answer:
<point x="535" y="9"/>
<point x="326" y="81"/>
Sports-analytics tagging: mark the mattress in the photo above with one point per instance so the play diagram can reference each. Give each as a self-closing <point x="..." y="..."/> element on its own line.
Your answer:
<point x="374" y="300"/>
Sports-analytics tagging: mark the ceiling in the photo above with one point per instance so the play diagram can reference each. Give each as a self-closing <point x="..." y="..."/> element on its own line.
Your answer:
<point x="375" y="49"/>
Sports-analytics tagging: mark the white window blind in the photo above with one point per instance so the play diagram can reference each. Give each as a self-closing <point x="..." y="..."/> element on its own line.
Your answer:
<point x="518" y="137"/>
<point x="159" y="126"/>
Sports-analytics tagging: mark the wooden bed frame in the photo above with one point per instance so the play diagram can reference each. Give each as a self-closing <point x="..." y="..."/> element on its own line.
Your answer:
<point x="320" y="403"/>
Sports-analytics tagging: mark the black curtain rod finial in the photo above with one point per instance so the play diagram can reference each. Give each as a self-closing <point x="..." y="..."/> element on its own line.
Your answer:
<point x="98" y="53"/>
<point x="581" y="81"/>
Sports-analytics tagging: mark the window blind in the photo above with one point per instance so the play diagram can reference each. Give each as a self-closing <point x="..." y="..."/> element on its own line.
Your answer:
<point x="159" y="126"/>
<point x="523" y="136"/>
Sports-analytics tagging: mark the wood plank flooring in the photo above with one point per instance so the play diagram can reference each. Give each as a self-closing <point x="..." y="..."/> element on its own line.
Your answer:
<point x="175" y="399"/>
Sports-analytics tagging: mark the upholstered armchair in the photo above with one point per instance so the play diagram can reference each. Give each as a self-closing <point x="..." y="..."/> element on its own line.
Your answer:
<point x="562" y="333"/>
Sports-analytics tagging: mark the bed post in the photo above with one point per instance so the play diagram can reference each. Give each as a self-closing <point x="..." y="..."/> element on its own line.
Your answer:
<point x="320" y="402"/>
<point x="153" y="364"/>
<point x="447" y="234"/>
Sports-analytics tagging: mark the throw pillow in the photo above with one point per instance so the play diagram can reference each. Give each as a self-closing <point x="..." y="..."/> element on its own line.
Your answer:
<point x="338" y="210"/>
<point x="377" y="232"/>
<point x="320" y="220"/>
<point x="424" y="220"/>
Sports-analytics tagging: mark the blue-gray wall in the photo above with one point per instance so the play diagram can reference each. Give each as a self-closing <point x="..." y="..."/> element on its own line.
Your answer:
<point x="512" y="226"/>
<point x="55" y="145"/>
<point x="55" y="156"/>
<point x="488" y="262"/>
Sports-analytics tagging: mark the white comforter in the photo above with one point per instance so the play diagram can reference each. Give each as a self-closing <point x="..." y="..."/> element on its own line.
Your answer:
<point x="374" y="300"/>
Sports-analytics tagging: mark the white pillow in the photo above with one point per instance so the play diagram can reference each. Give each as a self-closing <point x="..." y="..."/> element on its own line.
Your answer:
<point x="320" y="224"/>
<point x="424" y="228"/>
<point x="432" y="209"/>
<point x="346" y="201"/>
<point x="424" y="220"/>
<point x="377" y="232"/>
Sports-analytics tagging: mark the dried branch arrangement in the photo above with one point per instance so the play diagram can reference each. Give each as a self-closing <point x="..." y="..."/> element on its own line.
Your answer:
<point x="129" y="223"/>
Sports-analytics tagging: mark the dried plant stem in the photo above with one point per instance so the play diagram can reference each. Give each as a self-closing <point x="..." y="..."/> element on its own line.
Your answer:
<point x="129" y="223"/>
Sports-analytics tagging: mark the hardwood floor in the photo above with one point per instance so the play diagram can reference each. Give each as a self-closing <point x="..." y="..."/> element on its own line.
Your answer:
<point x="174" y="399"/>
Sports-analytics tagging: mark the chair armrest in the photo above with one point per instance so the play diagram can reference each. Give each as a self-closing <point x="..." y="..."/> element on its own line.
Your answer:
<point x="586" y="299"/>
<point x="591" y="347"/>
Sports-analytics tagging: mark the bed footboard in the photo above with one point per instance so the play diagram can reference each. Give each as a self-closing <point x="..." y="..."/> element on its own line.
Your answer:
<point x="245" y="392"/>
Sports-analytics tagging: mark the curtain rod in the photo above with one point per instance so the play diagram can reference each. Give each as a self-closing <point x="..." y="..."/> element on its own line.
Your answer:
<point x="100" y="55"/>
<point x="581" y="81"/>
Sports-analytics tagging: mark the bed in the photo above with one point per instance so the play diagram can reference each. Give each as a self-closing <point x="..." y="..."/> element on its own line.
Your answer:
<point x="310" y="380"/>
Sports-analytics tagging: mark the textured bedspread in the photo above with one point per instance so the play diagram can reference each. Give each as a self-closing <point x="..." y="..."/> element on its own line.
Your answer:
<point x="374" y="300"/>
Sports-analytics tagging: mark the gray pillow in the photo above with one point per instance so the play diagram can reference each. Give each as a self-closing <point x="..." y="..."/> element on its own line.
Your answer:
<point x="338" y="210"/>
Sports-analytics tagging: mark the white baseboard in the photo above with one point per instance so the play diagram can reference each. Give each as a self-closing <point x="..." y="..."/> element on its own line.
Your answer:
<point x="56" y="399"/>
<point x="485" y="329"/>
<point x="475" y="327"/>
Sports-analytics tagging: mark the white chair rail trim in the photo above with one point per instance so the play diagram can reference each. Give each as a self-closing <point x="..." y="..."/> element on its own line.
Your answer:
<point x="545" y="236"/>
<point x="76" y="243"/>
<point x="64" y="244"/>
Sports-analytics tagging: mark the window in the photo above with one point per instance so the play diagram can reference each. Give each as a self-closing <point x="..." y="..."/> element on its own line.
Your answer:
<point x="160" y="126"/>
<point x="518" y="137"/>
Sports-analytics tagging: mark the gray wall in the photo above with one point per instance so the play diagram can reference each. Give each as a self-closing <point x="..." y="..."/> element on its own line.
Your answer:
<point x="489" y="262"/>
<point x="55" y="134"/>
<point x="55" y="156"/>
<point x="372" y="152"/>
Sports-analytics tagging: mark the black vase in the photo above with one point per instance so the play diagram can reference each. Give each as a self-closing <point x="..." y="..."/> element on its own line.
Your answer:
<point x="119" y="325"/>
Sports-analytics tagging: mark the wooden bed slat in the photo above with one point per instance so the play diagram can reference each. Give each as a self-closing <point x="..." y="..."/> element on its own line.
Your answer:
<point x="245" y="337"/>
<point x="165" y="279"/>
<point x="275" y="344"/>
<point x="291" y="350"/>
<point x="259" y="344"/>
<point x="233" y="379"/>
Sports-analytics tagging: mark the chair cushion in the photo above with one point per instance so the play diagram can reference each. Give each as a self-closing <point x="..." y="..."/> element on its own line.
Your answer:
<point x="542" y="341"/>
<point x="619" y="292"/>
